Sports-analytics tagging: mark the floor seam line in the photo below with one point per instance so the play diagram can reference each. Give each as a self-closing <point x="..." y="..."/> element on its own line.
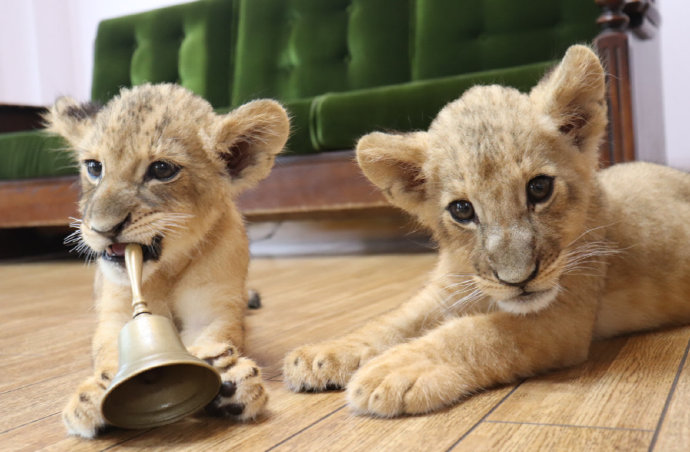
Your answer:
<point x="119" y="443"/>
<point x="669" y="397"/>
<point x="302" y="430"/>
<point x="29" y="423"/>
<point x="595" y="427"/>
<point x="488" y="413"/>
<point x="19" y="388"/>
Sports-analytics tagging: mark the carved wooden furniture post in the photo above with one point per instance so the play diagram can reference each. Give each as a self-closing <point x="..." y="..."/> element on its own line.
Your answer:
<point x="625" y="26"/>
<point x="612" y="44"/>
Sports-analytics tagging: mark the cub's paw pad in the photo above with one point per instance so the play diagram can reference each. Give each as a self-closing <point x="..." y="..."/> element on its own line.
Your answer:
<point x="254" y="301"/>
<point x="218" y="406"/>
<point x="82" y="415"/>
<point x="328" y="387"/>
<point x="242" y="394"/>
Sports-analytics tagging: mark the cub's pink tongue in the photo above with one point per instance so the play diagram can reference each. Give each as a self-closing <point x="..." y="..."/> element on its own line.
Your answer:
<point x="117" y="249"/>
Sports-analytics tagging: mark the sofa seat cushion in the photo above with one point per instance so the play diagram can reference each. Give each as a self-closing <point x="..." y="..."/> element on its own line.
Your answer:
<point x="34" y="154"/>
<point x="339" y="119"/>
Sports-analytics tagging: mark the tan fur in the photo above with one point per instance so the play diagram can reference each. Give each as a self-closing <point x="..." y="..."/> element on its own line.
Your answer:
<point x="607" y="253"/>
<point x="199" y="279"/>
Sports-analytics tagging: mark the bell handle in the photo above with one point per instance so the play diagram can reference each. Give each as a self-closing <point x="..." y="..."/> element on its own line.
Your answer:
<point x="134" y="259"/>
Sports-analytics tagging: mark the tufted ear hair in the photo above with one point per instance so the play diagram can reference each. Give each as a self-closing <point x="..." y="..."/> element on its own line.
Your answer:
<point x="573" y="96"/>
<point x="394" y="163"/>
<point x="70" y="119"/>
<point x="248" y="139"/>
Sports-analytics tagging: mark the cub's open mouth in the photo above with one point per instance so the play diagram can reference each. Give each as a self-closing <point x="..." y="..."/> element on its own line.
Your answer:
<point x="116" y="252"/>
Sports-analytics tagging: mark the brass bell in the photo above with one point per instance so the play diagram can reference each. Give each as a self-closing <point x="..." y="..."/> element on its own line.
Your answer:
<point x="158" y="381"/>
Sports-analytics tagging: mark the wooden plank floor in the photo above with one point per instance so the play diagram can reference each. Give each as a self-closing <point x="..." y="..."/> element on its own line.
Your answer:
<point x="633" y="394"/>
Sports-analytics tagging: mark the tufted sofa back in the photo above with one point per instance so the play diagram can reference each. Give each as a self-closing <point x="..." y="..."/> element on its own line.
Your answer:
<point x="231" y="51"/>
<point x="460" y="36"/>
<point x="341" y="67"/>
<point x="294" y="49"/>
<point x="191" y="44"/>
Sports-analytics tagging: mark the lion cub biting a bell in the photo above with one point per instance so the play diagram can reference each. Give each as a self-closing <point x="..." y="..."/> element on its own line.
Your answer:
<point x="159" y="168"/>
<point x="539" y="252"/>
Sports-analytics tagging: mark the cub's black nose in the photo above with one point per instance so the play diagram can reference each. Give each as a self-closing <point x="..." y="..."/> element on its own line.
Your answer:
<point x="114" y="230"/>
<point x="522" y="283"/>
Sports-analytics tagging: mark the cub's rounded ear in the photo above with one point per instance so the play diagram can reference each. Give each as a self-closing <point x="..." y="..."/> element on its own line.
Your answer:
<point x="70" y="119"/>
<point x="394" y="163"/>
<point x="248" y="138"/>
<point x="573" y="95"/>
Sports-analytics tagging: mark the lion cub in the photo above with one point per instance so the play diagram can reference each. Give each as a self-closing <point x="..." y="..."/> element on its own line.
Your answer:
<point x="160" y="168"/>
<point x="540" y="253"/>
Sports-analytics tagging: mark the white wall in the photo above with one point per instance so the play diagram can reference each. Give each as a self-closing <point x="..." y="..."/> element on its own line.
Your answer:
<point x="46" y="46"/>
<point x="46" y="49"/>
<point x="675" y="58"/>
<point x="35" y="51"/>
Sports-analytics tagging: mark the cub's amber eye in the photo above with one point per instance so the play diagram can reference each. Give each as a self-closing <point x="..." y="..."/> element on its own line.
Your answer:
<point x="461" y="211"/>
<point x="94" y="168"/>
<point x="162" y="170"/>
<point x="539" y="189"/>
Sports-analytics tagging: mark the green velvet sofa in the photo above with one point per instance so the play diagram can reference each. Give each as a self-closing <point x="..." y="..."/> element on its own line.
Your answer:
<point x="341" y="67"/>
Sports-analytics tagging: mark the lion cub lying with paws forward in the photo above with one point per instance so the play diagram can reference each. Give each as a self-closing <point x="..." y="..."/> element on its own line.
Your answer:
<point x="540" y="253"/>
<point x="161" y="169"/>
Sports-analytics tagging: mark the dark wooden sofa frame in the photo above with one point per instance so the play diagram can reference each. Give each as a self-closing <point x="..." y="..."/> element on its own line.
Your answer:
<point x="332" y="182"/>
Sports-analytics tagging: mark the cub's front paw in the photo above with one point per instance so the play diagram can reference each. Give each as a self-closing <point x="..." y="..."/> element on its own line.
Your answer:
<point x="324" y="366"/>
<point x="242" y="394"/>
<point x="403" y="381"/>
<point x="82" y="415"/>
